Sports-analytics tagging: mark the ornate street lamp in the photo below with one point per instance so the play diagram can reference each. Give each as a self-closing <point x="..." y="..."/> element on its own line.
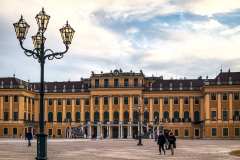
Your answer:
<point x="140" y="126"/>
<point x="41" y="54"/>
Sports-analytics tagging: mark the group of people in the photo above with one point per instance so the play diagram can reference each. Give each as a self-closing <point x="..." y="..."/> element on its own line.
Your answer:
<point x="166" y="142"/>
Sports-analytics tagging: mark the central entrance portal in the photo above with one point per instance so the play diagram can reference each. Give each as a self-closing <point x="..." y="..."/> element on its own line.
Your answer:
<point x="114" y="132"/>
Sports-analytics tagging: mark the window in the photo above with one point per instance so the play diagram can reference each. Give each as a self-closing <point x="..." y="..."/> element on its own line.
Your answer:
<point x="186" y="132"/>
<point x="135" y="82"/>
<point x="196" y="132"/>
<point x="214" y="132"/>
<point x="59" y="102"/>
<point x="186" y="115"/>
<point x="106" y="117"/>
<point x="59" y="117"/>
<point x="14" y="131"/>
<point x="176" y="116"/>
<point x="68" y="116"/>
<point x="105" y="100"/>
<point x="225" y="115"/>
<point x="186" y="100"/>
<point x="86" y="101"/>
<point x="116" y="117"/>
<point x="126" y="116"/>
<point x="156" y="117"/>
<point x="59" y="132"/>
<point x="77" y="101"/>
<point x="175" y="100"/>
<point x="213" y="96"/>
<point x="225" y="132"/>
<point x="165" y="100"/>
<point x="5" y="98"/>
<point x="224" y="97"/>
<point x="146" y="116"/>
<point x="5" y="118"/>
<point x="214" y="115"/>
<point x="5" y="131"/>
<point x="50" y="102"/>
<point x="96" y="116"/>
<point x="50" y="117"/>
<point x="125" y="82"/>
<point x="87" y="116"/>
<point x="50" y="132"/>
<point x="166" y="115"/>
<point x="135" y="99"/>
<point x="237" y="132"/>
<point x="106" y="83"/>
<point x="96" y="83"/>
<point x="196" y="100"/>
<point x="155" y="100"/>
<point x="15" y="98"/>
<point x="15" y="116"/>
<point x="78" y="117"/>
<point x="115" y="100"/>
<point x="196" y="116"/>
<point x="145" y="100"/>
<point x="126" y="100"/>
<point x="96" y="100"/>
<point x="68" y="101"/>
<point x="236" y="96"/>
<point x="176" y="132"/>
<point x="116" y="83"/>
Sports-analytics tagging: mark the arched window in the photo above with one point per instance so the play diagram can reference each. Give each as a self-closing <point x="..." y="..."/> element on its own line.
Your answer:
<point x="68" y="116"/>
<point x="78" y="117"/>
<point x="166" y="115"/>
<point x="96" y="117"/>
<point x="196" y="116"/>
<point x="176" y="116"/>
<point x="135" y="117"/>
<point x="126" y="116"/>
<point x="106" y="117"/>
<point x="59" y="117"/>
<point x="87" y="116"/>
<point x="50" y="117"/>
<point x="146" y="116"/>
<point x="186" y="116"/>
<point x="116" y="117"/>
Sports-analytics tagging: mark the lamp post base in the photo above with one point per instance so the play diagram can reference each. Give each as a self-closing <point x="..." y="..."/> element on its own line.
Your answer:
<point x="41" y="146"/>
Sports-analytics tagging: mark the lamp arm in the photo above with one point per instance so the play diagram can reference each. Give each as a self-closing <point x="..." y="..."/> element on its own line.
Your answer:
<point x="56" y="55"/>
<point x="28" y="52"/>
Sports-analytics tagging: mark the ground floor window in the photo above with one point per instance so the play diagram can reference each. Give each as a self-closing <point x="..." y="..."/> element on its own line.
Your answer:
<point x="196" y="132"/>
<point x="176" y="132"/>
<point x="59" y="132"/>
<point x="225" y="132"/>
<point x="237" y="132"/>
<point x="214" y="132"/>
<point x="5" y="131"/>
<point x="186" y="132"/>
<point x="14" y="131"/>
<point x="49" y="132"/>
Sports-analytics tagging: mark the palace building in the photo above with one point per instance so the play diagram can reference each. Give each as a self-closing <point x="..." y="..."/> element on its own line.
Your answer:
<point x="116" y="104"/>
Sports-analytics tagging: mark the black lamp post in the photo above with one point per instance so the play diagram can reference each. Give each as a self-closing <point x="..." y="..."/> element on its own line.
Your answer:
<point x="140" y="126"/>
<point x="41" y="54"/>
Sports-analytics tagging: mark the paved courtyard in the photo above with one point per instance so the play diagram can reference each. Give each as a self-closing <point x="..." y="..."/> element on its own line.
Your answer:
<point x="59" y="149"/>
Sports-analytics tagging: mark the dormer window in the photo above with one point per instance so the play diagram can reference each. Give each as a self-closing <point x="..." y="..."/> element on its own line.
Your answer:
<point x="181" y="86"/>
<point x="116" y="83"/>
<point x="96" y="83"/>
<point x="218" y="81"/>
<point x="64" y="88"/>
<point x="106" y="83"/>
<point x="160" y="88"/>
<point x="126" y="82"/>
<point x="73" y="88"/>
<point x="170" y="86"/>
<point x="55" y="88"/>
<point x="135" y="82"/>
<point x="230" y="80"/>
<point x="191" y="86"/>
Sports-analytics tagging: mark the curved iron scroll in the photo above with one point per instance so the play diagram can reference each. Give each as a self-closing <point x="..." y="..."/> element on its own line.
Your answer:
<point x="56" y="55"/>
<point x="28" y="52"/>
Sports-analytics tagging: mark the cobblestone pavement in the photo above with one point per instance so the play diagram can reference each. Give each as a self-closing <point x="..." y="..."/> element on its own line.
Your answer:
<point x="81" y="149"/>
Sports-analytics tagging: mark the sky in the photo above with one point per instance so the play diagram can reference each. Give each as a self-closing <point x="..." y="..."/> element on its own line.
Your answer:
<point x="169" y="38"/>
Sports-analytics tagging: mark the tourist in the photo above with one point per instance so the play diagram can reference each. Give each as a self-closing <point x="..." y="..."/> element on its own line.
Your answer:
<point x="161" y="141"/>
<point x="172" y="142"/>
<point x="29" y="138"/>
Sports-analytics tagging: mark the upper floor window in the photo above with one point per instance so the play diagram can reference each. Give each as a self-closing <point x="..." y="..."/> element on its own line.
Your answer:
<point x="15" y="116"/>
<point x="59" y="102"/>
<point x="135" y="100"/>
<point x="213" y="115"/>
<point x="126" y="82"/>
<point x="126" y="100"/>
<point x="135" y="82"/>
<point x="116" y="83"/>
<point x="96" y="100"/>
<point x="86" y="101"/>
<point x="5" y="116"/>
<point x="236" y="96"/>
<point x="165" y="100"/>
<point x="214" y="132"/>
<point x="186" y="100"/>
<point x="15" y="98"/>
<point x="5" y="98"/>
<point x="175" y="100"/>
<point x="106" y="83"/>
<point x="224" y="96"/>
<point x="145" y="100"/>
<point x="96" y="83"/>
<point x="77" y="101"/>
<point x="196" y="100"/>
<point x="115" y="100"/>
<point x="50" y="102"/>
<point x="155" y="100"/>
<point x="68" y="101"/>
<point x="105" y="100"/>
<point x="225" y="115"/>
<point x="213" y="96"/>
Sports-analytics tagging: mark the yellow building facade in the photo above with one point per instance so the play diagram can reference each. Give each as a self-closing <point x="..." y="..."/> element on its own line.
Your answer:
<point x="118" y="104"/>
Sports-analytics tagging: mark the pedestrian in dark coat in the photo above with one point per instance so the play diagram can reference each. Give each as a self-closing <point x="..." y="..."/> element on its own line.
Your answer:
<point x="172" y="142"/>
<point x="161" y="142"/>
<point x="29" y="138"/>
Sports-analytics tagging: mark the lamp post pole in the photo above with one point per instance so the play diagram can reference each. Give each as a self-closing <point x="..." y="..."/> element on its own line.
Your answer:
<point x="41" y="54"/>
<point x="140" y="127"/>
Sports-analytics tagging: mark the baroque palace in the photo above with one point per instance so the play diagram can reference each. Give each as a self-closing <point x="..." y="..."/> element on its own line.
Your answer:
<point x="117" y="104"/>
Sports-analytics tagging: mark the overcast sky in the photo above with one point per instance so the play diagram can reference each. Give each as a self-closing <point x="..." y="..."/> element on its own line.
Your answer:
<point x="173" y="38"/>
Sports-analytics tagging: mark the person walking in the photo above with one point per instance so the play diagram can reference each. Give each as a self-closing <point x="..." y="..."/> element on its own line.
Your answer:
<point x="161" y="141"/>
<point x="172" y="142"/>
<point x="29" y="138"/>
